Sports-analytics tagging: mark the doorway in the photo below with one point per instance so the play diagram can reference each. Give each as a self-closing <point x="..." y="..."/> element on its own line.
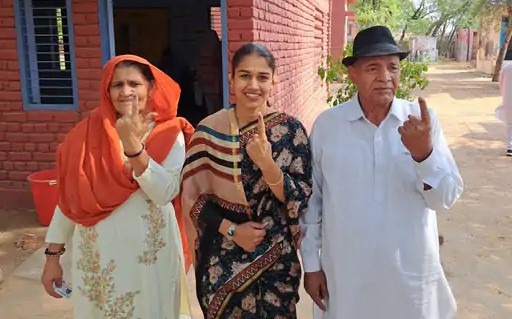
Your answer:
<point x="182" y="38"/>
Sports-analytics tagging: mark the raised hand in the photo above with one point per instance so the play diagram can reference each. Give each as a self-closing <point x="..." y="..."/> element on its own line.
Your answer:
<point x="416" y="133"/>
<point x="132" y="126"/>
<point x="259" y="148"/>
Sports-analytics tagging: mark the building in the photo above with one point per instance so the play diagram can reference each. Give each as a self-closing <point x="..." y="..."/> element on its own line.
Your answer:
<point x="52" y="52"/>
<point x="491" y="36"/>
<point x="343" y="26"/>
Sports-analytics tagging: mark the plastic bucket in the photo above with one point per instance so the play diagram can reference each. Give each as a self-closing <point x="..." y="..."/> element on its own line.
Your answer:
<point x="45" y="194"/>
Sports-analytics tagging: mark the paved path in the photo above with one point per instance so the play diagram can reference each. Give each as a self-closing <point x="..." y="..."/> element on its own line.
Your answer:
<point x="477" y="253"/>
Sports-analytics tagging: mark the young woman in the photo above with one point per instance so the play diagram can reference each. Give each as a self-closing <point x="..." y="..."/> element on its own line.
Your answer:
<point x="246" y="181"/>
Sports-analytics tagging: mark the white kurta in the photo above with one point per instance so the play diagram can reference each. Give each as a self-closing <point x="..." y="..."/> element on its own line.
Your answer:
<point x="130" y="264"/>
<point x="375" y="226"/>
<point x="506" y="95"/>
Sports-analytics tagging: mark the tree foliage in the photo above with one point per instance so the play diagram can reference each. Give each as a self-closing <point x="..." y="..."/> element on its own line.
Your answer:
<point x="413" y="76"/>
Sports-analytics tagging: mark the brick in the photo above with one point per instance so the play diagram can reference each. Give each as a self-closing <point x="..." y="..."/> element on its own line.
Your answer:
<point x="17" y="137"/>
<point x="6" y="12"/>
<point x="10" y="75"/>
<point x="6" y="22"/>
<point x="13" y="127"/>
<point x="46" y="165"/>
<point x="27" y="127"/>
<point x="3" y="127"/>
<point x="3" y="175"/>
<point x="7" y="33"/>
<point x="8" y="45"/>
<point x="233" y="12"/>
<point x="5" y="146"/>
<point x="248" y="12"/>
<point x="89" y="74"/>
<point x="95" y="85"/>
<point x="92" y="18"/>
<point x="17" y="147"/>
<point x="61" y="137"/>
<point x="66" y="117"/>
<point x="32" y="166"/>
<point x="88" y="52"/>
<point x="20" y="156"/>
<point x="64" y="128"/>
<point x="86" y="30"/>
<point x="20" y="166"/>
<point x="53" y="127"/>
<point x="241" y="24"/>
<point x="84" y="7"/>
<point x="30" y="147"/>
<point x="81" y="63"/>
<point x="8" y="54"/>
<point x="44" y="157"/>
<point x="3" y="157"/>
<point x="21" y="184"/>
<point x="6" y="184"/>
<point x="8" y="165"/>
<point x="41" y="137"/>
<point x="9" y="96"/>
<point x="43" y="147"/>
<point x="40" y="127"/>
<point x="14" y="116"/>
<point x="53" y="147"/>
<point x="89" y="95"/>
<point x="18" y="176"/>
<point x="239" y="3"/>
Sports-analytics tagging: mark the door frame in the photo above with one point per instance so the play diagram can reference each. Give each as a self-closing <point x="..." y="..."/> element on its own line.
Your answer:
<point x="108" y="51"/>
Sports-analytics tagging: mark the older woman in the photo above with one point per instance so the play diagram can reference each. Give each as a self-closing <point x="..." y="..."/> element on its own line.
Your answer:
<point x="119" y="169"/>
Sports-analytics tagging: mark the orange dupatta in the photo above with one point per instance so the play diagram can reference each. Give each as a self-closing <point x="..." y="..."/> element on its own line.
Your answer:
<point x="92" y="178"/>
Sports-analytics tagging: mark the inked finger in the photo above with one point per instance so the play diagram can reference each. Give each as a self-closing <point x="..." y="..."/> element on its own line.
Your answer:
<point x="425" y="115"/>
<point x="261" y="127"/>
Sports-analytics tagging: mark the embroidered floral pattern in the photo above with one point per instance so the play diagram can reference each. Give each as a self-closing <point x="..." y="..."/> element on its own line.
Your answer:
<point x="154" y="241"/>
<point x="98" y="283"/>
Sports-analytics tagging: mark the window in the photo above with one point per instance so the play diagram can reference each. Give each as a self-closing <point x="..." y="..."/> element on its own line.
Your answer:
<point x="46" y="55"/>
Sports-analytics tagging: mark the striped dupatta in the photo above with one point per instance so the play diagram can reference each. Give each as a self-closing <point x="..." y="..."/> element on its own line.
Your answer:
<point x="212" y="170"/>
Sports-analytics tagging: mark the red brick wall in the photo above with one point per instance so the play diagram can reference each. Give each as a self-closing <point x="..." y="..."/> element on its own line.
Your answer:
<point x="28" y="140"/>
<point x="216" y="20"/>
<point x="298" y="34"/>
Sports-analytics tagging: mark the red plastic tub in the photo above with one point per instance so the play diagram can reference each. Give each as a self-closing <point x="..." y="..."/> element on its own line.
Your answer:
<point x="45" y="194"/>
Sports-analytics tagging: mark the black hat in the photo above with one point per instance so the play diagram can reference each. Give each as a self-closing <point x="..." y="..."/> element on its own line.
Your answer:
<point x="374" y="41"/>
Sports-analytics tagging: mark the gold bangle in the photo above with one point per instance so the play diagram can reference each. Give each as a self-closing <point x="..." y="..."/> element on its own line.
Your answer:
<point x="278" y="182"/>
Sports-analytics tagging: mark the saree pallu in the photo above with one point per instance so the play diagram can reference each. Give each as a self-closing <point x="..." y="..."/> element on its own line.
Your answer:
<point x="220" y="178"/>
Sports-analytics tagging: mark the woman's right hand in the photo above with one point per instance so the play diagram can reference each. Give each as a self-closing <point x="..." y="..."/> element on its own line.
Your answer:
<point x="52" y="272"/>
<point x="249" y="235"/>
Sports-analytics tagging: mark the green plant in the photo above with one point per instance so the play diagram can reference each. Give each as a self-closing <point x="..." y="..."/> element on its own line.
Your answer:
<point x="413" y="76"/>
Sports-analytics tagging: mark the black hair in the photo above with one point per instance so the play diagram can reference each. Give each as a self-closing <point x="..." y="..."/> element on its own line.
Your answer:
<point x="143" y="69"/>
<point x="253" y="48"/>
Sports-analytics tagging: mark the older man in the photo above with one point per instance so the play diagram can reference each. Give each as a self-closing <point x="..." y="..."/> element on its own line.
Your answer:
<point x="381" y="168"/>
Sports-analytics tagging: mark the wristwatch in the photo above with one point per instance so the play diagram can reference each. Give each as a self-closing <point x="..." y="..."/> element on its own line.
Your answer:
<point x="231" y="231"/>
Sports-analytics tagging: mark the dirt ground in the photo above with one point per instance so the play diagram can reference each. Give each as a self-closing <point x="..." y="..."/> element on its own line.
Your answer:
<point x="477" y="253"/>
<point x="14" y="224"/>
<point x="477" y="250"/>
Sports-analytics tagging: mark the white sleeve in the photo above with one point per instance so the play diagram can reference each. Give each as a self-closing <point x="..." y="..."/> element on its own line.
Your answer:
<point x="161" y="183"/>
<point x="61" y="228"/>
<point x="440" y="172"/>
<point x="311" y="221"/>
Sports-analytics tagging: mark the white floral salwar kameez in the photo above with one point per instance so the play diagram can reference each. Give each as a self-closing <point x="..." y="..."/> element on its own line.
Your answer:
<point x="129" y="265"/>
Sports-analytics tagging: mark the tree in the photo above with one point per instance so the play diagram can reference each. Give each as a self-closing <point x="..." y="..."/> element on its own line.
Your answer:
<point x="413" y="76"/>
